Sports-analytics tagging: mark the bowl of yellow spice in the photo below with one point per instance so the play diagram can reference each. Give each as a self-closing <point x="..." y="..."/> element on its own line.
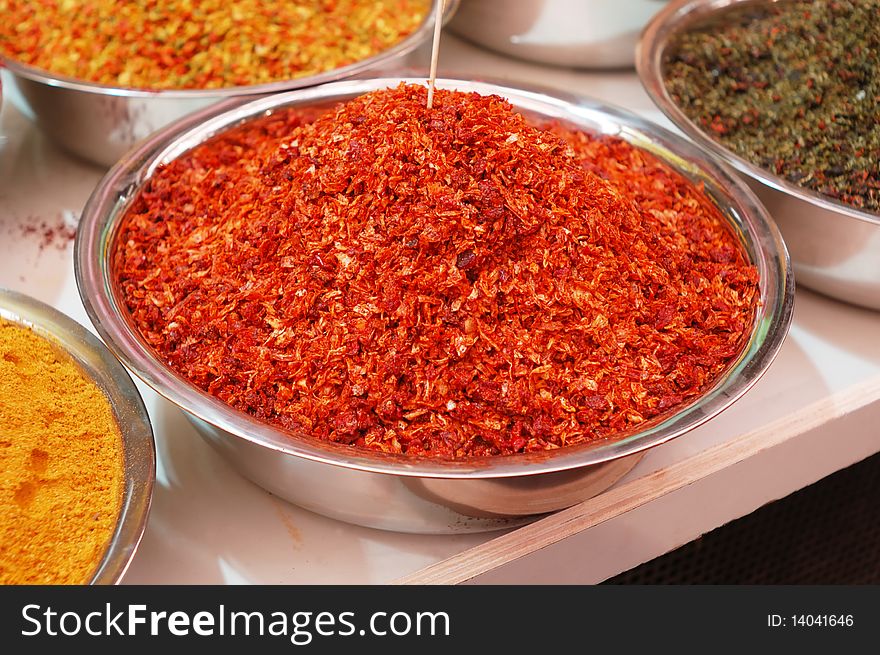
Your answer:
<point x="99" y="75"/>
<point x="77" y="457"/>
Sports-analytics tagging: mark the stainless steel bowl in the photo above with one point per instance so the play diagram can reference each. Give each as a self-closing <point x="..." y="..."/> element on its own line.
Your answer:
<point x="398" y="492"/>
<point x="595" y="34"/>
<point x="835" y="248"/>
<point x="139" y="451"/>
<point x="100" y="123"/>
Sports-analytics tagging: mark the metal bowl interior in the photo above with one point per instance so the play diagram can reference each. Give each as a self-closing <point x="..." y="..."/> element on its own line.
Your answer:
<point x="821" y="231"/>
<point x="747" y="219"/>
<point x="100" y="123"/>
<point x="139" y="451"/>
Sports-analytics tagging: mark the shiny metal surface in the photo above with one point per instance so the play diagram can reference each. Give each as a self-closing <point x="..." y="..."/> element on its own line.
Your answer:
<point x="397" y="492"/>
<point x="835" y="248"/>
<point x="100" y="123"/>
<point x="111" y="377"/>
<point x="594" y="34"/>
<point x="410" y="503"/>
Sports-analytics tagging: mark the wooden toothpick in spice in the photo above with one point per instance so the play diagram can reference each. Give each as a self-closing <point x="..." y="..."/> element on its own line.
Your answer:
<point x="435" y="51"/>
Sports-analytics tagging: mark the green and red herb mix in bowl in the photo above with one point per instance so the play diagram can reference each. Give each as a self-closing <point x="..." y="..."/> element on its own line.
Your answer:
<point x="447" y="283"/>
<point x="200" y="44"/>
<point x="792" y="87"/>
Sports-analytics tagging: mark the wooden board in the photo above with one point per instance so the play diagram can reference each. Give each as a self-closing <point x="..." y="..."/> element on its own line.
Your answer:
<point x="633" y="494"/>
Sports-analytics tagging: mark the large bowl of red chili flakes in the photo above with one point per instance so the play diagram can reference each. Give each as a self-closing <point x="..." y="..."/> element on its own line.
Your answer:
<point x="433" y="320"/>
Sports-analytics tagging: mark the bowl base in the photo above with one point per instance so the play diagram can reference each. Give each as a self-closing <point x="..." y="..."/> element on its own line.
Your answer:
<point x="420" y="505"/>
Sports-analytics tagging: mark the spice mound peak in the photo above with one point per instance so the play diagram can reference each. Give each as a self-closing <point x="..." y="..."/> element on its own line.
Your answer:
<point x="455" y="282"/>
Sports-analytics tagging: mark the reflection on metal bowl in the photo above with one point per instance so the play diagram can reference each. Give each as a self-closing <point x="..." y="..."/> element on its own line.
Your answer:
<point x="100" y="123"/>
<point x="835" y="248"/>
<point x="595" y="34"/>
<point x="139" y="450"/>
<point x="422" y="494"/>
<point x="412" y="503"/>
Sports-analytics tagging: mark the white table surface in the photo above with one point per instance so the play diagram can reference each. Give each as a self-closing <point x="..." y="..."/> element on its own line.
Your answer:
<point x="209" y="525"/>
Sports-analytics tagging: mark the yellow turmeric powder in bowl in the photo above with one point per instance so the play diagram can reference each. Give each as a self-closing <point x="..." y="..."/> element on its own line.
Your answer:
<point x="61" y="464"/>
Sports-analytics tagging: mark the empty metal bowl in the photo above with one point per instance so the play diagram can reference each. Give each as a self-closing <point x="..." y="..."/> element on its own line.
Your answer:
<point x="138" y="448"/>
<point x="100" y="123"/>
<point x="835" y="248"/>
<point x="422" y="494"/>
<point x="595" y="34"/>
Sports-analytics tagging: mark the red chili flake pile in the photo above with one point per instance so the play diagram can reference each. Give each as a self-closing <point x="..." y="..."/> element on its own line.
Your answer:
<point x="450" y="283"/>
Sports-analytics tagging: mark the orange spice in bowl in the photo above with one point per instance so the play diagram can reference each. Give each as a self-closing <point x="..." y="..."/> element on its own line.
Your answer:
<point x="61" y="464"/>
<point x="181" y="44"/>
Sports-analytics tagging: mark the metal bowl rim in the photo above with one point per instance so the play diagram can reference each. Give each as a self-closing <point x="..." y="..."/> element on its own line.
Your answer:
<point x="138" y="480"/>
<point x="772" y="318"/>
<point x="403" y="47"/>
<point x="671" y="21"/>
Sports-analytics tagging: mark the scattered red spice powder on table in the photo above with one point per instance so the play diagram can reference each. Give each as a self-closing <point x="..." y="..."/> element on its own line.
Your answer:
<point x="450" y="283"/>
<point x="58" y="232"/>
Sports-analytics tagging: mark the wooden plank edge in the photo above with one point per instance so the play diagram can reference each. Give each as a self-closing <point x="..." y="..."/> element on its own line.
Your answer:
<point x="628" y="496"/>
